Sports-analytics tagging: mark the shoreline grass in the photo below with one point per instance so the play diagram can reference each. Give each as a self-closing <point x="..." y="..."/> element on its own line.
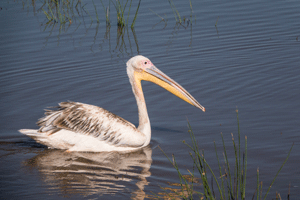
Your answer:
<point x="231" y="183"/>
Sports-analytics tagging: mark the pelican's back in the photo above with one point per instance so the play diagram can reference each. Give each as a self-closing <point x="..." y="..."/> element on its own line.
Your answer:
<point x="84" y="122"/>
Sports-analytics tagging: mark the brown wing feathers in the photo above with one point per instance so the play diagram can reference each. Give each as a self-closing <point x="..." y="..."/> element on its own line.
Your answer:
<point x="80" y="118"/>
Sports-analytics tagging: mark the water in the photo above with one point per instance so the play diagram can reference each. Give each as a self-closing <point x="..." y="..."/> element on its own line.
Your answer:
<point x="249" y="61"/>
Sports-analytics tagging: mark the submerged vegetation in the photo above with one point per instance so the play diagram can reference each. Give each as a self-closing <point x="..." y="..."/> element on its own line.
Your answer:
<point x="230" y="183"/>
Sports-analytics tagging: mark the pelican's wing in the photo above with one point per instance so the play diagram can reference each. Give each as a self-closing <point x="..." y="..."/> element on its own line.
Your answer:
<point x="91" y="120"/>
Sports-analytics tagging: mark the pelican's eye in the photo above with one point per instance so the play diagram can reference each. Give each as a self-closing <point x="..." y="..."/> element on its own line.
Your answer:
<point x="146" y="63"/>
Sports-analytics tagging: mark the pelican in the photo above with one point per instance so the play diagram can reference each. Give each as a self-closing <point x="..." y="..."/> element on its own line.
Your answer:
<point x="81" y="127"/>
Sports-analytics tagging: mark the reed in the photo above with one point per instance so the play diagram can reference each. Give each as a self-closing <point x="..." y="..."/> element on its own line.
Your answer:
<point x="107" y="13"/>
<point x="231" y="183"/>
<point x="162" y="19"/>
<point x="136" y="13"/>
<point x="217" y="21"/>
<point x="180" y="21"/>
<point x="121" y="9"/>
<point x="62" y="11"/>
<point x="95" y="12"/>
<point x="175" y="12"/>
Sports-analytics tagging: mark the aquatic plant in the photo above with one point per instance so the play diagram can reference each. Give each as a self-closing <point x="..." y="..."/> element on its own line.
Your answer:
<point x="230" y="185"/>
<point x="55" y="11"/>
<point x="175" y="11"/>
<point x="185" y="21"/>
<point x="63" y="11"/>
<point x="107" y="14"/>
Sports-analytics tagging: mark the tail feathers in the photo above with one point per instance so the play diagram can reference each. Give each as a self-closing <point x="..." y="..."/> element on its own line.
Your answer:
<point x="46" y="139"/>
<point x="33" y="133"/>
<point x="29" y="131"/>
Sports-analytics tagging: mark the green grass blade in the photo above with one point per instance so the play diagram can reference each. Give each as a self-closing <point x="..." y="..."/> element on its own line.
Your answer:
<point x="243" y="195"/>
<point x="279" y="171"/>
<point x="220" y="170"/>
<point x="173" y="162"/>
<point x="239" y="164"/>
<point x="47" y="15"/>
<point x="227" y="163"/>
<point x="136" y="13"/>
<point x="175" y="11"/>
<point x="157" y="15"/>
<point x="128" y="12"/>
<point x="257" y="184"/>
<point x="236" y="170"/>
<point x="95" y="12"/>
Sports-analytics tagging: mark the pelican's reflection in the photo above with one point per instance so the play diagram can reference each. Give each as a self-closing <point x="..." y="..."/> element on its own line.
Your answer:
<point x="95" y="173"/>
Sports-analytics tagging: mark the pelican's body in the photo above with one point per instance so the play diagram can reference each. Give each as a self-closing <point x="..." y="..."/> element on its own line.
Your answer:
<point x="82" y="127"/>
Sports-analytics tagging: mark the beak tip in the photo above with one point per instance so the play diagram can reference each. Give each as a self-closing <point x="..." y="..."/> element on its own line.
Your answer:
<point x="201" y="108"/>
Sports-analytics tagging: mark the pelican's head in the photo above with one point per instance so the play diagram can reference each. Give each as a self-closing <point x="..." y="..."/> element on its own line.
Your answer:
<point x="141" y="68"/>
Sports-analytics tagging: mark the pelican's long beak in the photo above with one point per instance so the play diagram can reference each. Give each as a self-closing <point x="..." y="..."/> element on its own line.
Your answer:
<point x="158" y="77"/>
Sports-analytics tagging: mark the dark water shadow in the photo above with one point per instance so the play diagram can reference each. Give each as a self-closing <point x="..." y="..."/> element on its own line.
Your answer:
<point x="12" y="145"/>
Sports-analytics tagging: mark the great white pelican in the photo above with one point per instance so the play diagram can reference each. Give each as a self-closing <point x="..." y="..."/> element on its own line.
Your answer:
<point x="81" y="127"/>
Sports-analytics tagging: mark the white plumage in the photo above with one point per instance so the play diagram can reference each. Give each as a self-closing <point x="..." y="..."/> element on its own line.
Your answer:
<point x="82" y="127"/>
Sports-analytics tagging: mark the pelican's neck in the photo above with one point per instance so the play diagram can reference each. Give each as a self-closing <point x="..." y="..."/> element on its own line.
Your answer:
<point x="144" y="122"/>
